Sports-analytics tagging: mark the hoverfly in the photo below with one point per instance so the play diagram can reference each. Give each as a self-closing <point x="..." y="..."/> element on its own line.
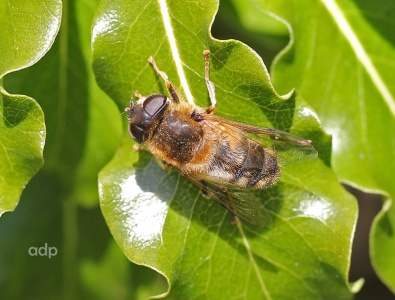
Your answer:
<point x="225" y="159"/>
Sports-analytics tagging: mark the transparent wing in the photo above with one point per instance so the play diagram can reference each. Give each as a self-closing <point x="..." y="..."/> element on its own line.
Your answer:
<point x="240" y="202"/>
<point x="289" y="147"/>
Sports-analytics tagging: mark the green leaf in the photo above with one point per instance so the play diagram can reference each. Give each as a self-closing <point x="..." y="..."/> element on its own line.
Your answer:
<point x="103" y="127"/>
<point x="112" y="277"/>
<point x="160" y="220"/>
<point x="28" y="29"/>
<point x="83" y="131"/>
<point x="344" y="68"/>
<point x="242" y="21"/>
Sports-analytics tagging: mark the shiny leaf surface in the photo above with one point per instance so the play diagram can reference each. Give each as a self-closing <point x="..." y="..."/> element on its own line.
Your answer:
<point x="346" y="62"/>
<point x="161" y="220"/>
<point x="28" y="29"/>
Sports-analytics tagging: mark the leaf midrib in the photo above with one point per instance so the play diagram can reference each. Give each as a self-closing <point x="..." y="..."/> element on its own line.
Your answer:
<point x="174" y="49"/>
<point x="360" y="52"/>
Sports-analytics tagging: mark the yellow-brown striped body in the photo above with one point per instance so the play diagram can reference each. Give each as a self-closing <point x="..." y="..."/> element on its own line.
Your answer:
<point x="199" y="145"/>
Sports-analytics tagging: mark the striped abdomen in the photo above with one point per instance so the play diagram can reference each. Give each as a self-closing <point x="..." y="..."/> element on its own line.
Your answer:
<point x="244" y="163"/>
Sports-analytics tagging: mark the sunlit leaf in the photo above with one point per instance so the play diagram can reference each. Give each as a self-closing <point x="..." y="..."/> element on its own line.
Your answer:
<point x="160" y="220"/>
<point x="27" y="31"/>
<point x="341" y="60"/>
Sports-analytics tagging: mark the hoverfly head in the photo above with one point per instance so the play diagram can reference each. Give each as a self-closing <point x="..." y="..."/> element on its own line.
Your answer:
<point x="144" y="116"/>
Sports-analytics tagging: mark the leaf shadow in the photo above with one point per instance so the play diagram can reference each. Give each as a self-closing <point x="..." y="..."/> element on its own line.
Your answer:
<point x="187" y="200"/>
<point x="259" y="92"/>
<point x="209" y="216"/>
<point x="380" y="17"/>
<point x="16" y="109"/>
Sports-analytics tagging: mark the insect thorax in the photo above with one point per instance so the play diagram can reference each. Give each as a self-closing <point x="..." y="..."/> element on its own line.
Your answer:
<point x="177" y="137"/>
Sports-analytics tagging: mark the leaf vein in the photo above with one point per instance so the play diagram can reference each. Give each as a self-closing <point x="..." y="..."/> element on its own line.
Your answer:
<point x="174" y="49"/>
<point x="360" y="52"/>
<point x="253" y="262"/>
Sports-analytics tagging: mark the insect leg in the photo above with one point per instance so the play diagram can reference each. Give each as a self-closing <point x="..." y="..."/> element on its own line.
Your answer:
<point x="234" y="219"/>
<point x="162" y="74"/>
<point x="162" y="164"/>
<point x="209" y="84"/>
<point x="204" y="189"/>
<point x="139" y="148"/>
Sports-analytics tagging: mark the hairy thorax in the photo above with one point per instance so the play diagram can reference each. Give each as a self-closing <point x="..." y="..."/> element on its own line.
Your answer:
<point x="177" y="138"/>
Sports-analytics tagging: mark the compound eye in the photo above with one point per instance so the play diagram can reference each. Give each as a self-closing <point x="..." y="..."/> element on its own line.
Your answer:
<point x="155" y="104"/>
<point x="138" y="133"/>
